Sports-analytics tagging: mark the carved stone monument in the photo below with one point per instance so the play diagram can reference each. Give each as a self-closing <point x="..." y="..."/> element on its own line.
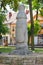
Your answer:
<point x="21" y="33"/>
<point x="21" y="28"/>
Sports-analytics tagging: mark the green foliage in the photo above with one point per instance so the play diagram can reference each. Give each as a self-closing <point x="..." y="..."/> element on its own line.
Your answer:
<point x="2" y="18"/>
<point x="3" y="28"/>
<point x="13" y="4"/>
<point x="29" y="29"/>
<point x="36" y="4"/>
<point x="36" y="28"/>
<point x="41" y="1"/>
<point x="24" y="1"/>
<point x="4" y="2"/>
<point x="41" y="11"/>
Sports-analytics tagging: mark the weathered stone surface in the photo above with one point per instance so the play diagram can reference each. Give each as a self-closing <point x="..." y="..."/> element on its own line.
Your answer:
<point x="21" y="33"/>
<point x="4" y="64"/>
<point x="32" y="59"/>
<point x="39" y="60"/>
<point x="21" y="28"/>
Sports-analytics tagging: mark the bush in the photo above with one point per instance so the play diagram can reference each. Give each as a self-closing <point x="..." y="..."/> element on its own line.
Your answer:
<point x="41" y="11"/>
<point x="37" y="28"/>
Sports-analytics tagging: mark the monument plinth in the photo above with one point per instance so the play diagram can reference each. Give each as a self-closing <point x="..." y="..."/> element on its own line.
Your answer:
<point x="21" y="33"/>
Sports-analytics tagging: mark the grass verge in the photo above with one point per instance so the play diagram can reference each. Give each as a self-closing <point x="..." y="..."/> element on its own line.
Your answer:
<point x="6" y="49"/>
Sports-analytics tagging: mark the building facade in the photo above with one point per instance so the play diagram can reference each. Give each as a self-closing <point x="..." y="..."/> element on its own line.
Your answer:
<point x="11" y="23"/>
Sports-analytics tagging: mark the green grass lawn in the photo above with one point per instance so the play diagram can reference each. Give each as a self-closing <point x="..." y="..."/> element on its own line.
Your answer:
<point x="38" y="50"/>
<point x="7" y="49"/>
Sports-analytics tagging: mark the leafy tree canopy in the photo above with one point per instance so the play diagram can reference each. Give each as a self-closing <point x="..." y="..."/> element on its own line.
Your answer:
<point x="37" y="28"/>
<point x="3" y="28"/>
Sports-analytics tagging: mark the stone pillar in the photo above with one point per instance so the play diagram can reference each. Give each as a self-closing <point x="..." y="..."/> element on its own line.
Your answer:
<point x="21" y="28"/>
<point x="21" y="33"/>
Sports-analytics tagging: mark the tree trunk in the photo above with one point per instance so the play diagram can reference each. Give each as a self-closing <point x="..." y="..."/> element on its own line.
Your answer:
<point x="0" y="39"/>
<point x="37" y="14"/>
<point x="28" y="40"/>
<point x="32" y="24"/>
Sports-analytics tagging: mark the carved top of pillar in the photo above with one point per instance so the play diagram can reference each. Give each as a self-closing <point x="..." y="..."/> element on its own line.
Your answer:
<point x="21" y="7"/>
<point x="21" y="14"/>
